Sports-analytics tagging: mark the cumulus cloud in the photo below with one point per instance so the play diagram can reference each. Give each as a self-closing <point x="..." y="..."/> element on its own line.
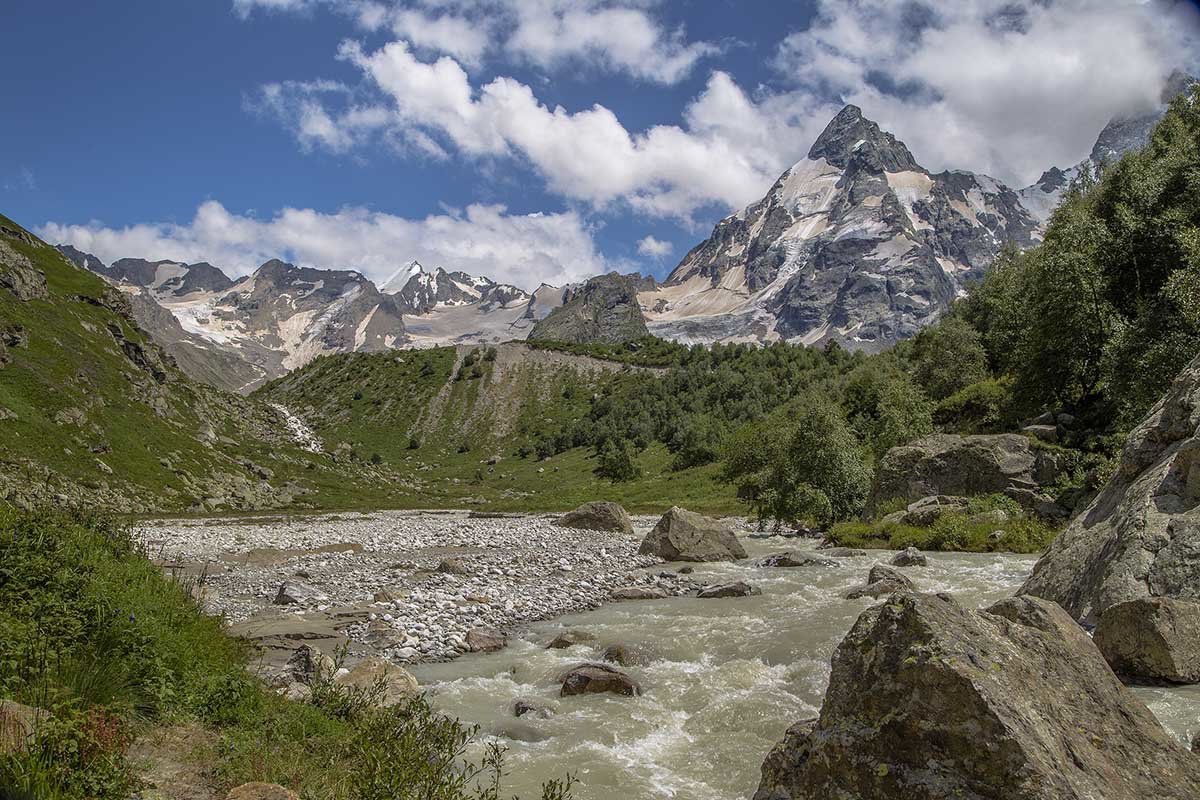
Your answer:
<point x="655" y="248"/>
<point x="523" y="250"/>
<point x="1008" y="88"/>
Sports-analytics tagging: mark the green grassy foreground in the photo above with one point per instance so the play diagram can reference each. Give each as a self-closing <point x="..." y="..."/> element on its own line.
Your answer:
<point x="96" y="636"/>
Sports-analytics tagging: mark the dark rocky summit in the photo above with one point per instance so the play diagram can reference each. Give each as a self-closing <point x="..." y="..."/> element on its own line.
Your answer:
<point x="1140" y="537"/>
<point x="683" y="535"/>
<point x="928" y="700"/>
<point x="604" y="309"/>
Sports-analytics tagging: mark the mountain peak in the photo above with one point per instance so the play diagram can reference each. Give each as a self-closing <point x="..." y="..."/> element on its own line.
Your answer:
<point x="852" y="137"/>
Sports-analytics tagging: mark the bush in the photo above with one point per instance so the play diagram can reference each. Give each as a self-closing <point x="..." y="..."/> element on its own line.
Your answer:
<point x="616" y="462"/>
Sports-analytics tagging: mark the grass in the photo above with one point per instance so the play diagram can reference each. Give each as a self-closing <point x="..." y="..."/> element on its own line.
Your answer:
<point x="966" y="532"/>
<point x="95" y="635"/>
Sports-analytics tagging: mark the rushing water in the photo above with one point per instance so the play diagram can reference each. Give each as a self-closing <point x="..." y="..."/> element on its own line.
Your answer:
<point x="729" y="677"/>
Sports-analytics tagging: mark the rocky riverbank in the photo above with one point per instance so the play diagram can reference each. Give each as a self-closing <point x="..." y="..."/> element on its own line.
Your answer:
<point x="409" y="586"/>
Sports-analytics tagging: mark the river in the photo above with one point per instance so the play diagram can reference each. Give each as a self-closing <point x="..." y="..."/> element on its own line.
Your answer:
<point x="729" y="676"/>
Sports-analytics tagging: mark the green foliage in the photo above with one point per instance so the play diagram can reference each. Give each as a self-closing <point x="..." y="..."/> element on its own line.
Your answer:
<point x="949" y="357"/>
<point x="698" y="441"/>
<point x="885" y="407"/>
<point x="616" y="461"/>
<point x="983" y="407"/>
<point x="951" y="532"/>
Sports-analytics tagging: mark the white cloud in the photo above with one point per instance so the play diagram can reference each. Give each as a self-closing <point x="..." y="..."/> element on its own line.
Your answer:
<point x="655" y="248"/>
<point x="1008" y="88"/>
<point x="524" y="250"/>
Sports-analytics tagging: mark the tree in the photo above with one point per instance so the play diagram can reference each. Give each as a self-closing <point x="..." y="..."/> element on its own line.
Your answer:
<point x="616" y="461"/>
<point x="885" y="406"/>
<point x="697" y="442"/>
<point x="949" y="356"/>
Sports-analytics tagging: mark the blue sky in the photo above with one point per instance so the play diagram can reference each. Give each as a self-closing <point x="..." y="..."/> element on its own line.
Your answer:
<point x="526" y="139"/>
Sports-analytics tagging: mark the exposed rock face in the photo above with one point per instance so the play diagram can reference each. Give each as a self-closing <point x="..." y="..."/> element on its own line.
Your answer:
<point x="598" y="516"/>
<point x="928" y="701"/>
<point x="1152" y="639"/>
<point x="946" y="464"/>
<point x="881" y="581"/>
<point x="598" y="679"/>
<point x="683" y="535"/>
<point x="735" y="589"/>
<point x="604" y="309"/>
<point x="18" y="274"/>
<point x="1140" y="537"/>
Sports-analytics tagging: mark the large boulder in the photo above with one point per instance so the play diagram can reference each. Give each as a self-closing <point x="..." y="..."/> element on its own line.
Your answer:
<point x="1152" y="639"/>
<point x="638" y="593"/>
<point x="393" y="683"/>
<point x="882" y="580"/>
<point x="683" y="535"/>
<point x="598" y="516"/>
<point x="598" y="679"/>
<point x="928" y="700"/>
<point x="19" y="725"/>
<point x="1140" y="537"/>
<point x="735" y="589"/>
<point x="796" y="558"/>
<point x="910" y="557"/>
<point x="485" y="640"/>
<point x="965" y="466"/>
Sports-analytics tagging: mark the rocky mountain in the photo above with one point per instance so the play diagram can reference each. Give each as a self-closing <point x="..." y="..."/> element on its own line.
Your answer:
<point x="1120" y="136"/>
<point x="603" y="309"/>
<point x="857" y="244"/>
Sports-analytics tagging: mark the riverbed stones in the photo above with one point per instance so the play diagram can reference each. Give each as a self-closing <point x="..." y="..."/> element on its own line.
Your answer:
<point x="1152" y="639"/>
<point x="261" y="791"/>
<point x="452" y="566"/>
<point x="735" y="589"/>
<point x="882" y="580"/>
<point x="910" y="557"/>
<point x="842" y="552"/>
<point x="683" y="535"/>
<point x="638" y="593"/>
<point x="598" y="679"/>
<point x="569" y="639"/>
<point x="598" y="516"/>
<point x="627" y="655"/>
<point x="928" y="700"/>
<point x="485" y="640"/>
<point x="295" y="593"/>
<point x="796" y="558"/>
<point x="394" y="683"/>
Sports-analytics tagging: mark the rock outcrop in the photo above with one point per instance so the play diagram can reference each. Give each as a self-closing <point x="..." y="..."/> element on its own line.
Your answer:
<point x="598" y="516"/>
<point x="1140" y="537"/>
<point x="1152" y="639"/>
<point x="604" y="309"/>
<point x="947" y="464"/>
<point x="928" y="700"/>
<point x="683" y="535"/>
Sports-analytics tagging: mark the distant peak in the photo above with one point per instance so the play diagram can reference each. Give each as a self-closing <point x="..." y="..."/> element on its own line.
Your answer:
<point x="851" y="136"/>
<point x="1177" y="83"/>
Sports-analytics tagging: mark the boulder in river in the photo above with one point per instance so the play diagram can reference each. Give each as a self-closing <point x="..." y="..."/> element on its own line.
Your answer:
<point x="485" y="640"/>
<point x="627" y="655"/>
<point x="638" y="593"/>
<point x="1140" y="537"/>
<point x="735" y="589"/>
<point x="842" y="552"/>
<point x="1152" y="639"/>
<point x="910" y="557"/>
<point x="523" y="708"/>
<point x="683" y="535"/>
<point x="598" y="679"/>
<point x="569" y="639"/>
<point x="394" y="683"/>
<point x="928" y="700"/>
<point x="882" y="580"/>
<point x="947" y="464"/>
<point x="796" y="558"/>
<point x="598" y="516"/>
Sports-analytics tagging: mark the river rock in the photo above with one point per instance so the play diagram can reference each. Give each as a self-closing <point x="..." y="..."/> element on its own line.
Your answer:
<point x="451" y="566"/>
<point x="910" y="557"/>
<point x="947" y="464"/>
<point x="735" y="589"/>
<point x="569" y="639"/>
<point x="928" y="700"/>
<point x="842" y="552"/>
<point x="683" y="535"/>
<point x="638" y="593"/>
<point x="261" y="791"/>
<point x="796" y="558"/>
<point x="1140" y="536"/>
<point x="929" y="510"/>
<point x="523" y="707"/>
<point x="295" y="593"/>
<point x="485" y="640"/>
<point x="18" y="726"/>
<point x="598" y="516"/>
<point x="308" y="664"/>
<point x="1153" y="638"/>
<point x="598" y="679"/>
<point x="881" y="580"/>
<point x="627" y="655"/>
<point x="395" y="683"/>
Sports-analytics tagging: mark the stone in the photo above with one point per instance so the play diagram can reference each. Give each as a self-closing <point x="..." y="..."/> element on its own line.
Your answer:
<point x="261" y="791"/>
<point x="638" y="593"/>
<point x="1152" y="639"/>
<point x="686" y="570"/>
<point x="308" y="664"/>
<point x="297" y="593"/>
<point x="928" y="700"/>
<point x="929" y="510"/>
<point x="963" y="466"/>
<point x="18" y="726"/>
<point x="1140" y="536"/>
<point x="735" y="589"/>
<point x="996" y="516"/>
<point x="451" y="566"/>
<point x="910" y="557"/>
<point x="1045" y="433"/>
<point x="598" y="679"/>
<point x="627" y="655"/>
<point x="395" y="684"/>
<point x="569" y="639"/>
<point x="523" y="707"/>
<point x="842" y="552"/>
<point x="881" y="580"/>
<point x="598" y="516"/>
<point x="485" y="640"/>
<point x="796" y="558"/>
<point x="682" y="535"/>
